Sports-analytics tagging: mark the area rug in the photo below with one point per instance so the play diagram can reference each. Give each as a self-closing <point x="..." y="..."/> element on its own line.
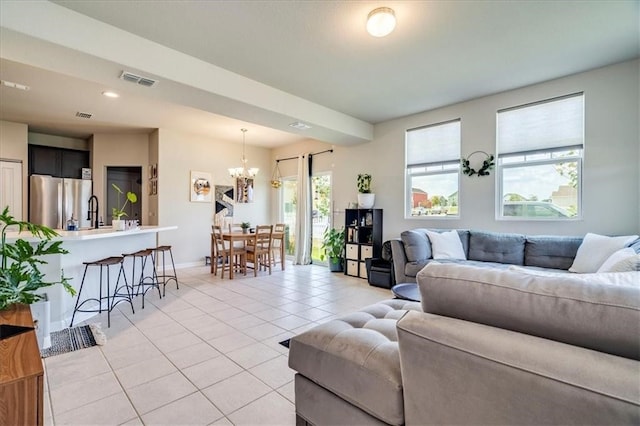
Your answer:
<point x="285" y="343"/>
<point x="73" y="339"/>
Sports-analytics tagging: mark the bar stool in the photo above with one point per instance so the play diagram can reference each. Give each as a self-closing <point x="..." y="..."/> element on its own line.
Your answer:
<point x="112" y="300"/>
<point x="149" y="281"/>
<point x="164" y="278"/>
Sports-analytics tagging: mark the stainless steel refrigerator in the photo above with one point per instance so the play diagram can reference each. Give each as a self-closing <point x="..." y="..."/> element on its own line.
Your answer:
<point x="53" y="200"/>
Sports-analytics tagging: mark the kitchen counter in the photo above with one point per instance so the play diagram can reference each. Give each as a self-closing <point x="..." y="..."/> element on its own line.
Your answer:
<point x="86" y="246"/>
<point x="91" y="234"/>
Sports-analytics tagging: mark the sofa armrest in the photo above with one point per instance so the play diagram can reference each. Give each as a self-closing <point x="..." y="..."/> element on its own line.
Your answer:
<point x="399" y="258"/>
<point x="460" y="372"/>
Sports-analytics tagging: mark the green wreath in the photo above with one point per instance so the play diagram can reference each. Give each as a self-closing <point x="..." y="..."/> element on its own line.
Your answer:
<point x="487" y="164"/>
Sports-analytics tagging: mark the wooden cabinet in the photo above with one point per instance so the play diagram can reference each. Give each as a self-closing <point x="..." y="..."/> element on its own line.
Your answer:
<point x="58" y="162"/>
<point x="21" y="372"/>
<point x="363" y="239"/>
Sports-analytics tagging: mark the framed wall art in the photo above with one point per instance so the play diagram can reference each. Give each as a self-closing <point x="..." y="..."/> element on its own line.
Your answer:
<point x="200" y="187"/>
<point x="244" y="190"/>
<point x="224" y="200"/>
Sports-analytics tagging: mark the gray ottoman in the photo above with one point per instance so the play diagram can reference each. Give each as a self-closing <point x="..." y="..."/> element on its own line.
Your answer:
<point x="353" y="363"/>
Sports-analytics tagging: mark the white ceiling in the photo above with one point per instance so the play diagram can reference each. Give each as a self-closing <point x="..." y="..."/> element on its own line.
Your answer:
<point x="314" y="60"/>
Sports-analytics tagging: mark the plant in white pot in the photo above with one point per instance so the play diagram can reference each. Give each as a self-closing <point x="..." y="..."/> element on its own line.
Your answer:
<point x="118" y="212"/>
<point x="366" y="198"/>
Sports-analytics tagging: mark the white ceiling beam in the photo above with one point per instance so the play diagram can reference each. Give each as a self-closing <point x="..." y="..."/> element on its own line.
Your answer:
<point x="93" y="50"/>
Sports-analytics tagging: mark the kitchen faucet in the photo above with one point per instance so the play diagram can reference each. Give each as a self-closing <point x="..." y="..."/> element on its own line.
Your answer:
<point x="95" y="212"/>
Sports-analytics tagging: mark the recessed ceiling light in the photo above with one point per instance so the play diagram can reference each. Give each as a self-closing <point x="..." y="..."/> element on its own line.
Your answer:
<point x="300" y="125"/>
<point x="15" y="85"/>
<point x="110" y="94"/>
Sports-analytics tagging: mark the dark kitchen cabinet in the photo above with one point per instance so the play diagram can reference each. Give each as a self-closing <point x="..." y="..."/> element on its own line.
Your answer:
<point x="58" y="162"/>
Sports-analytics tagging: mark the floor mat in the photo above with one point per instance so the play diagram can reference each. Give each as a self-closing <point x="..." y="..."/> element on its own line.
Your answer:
<point x="73" y="339"/>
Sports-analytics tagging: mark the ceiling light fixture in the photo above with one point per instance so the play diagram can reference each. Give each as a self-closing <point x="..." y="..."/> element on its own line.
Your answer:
<point x="110" y="94"/>
<point x="243" y="172"/>
<point x="381" y="21"/>
<point x="300" y="125"/>
<point x="15" y="85"/>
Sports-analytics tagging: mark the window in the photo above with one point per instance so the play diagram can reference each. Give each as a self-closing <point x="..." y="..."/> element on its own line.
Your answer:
<point x="540" y="159"/>
<point x="433" y="170"/>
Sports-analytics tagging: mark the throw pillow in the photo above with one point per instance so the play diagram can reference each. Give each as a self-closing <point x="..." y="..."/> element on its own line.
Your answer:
<point x="631" y="263"/>
<point x="595" y="249"/>
<point x="446" y="245"/>
<point x="615" y="258"/>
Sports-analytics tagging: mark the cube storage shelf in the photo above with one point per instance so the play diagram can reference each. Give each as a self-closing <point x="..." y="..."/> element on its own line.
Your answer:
<point x="363" y="239"/>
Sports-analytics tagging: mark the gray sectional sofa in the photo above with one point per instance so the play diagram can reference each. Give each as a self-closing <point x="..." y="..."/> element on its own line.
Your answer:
<point x="485" y="346"/>
<point x="412" y="251"/>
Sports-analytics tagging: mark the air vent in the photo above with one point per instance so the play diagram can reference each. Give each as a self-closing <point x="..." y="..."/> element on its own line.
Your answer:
<point x="137" y="79"/>
<point x="83" y="114"/>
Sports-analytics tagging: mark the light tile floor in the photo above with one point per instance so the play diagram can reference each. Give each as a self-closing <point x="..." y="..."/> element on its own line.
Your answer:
<point x="207" y="353"/>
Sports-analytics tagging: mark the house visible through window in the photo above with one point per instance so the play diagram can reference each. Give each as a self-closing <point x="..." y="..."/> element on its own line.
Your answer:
<point x="433" y="170"/>
<point x="540" y="159"/>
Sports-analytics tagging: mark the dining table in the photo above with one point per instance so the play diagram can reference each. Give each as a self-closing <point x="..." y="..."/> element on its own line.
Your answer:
<point x="244" y="237"/>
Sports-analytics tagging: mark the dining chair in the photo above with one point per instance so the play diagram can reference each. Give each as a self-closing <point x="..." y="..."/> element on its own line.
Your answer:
<point x="277" y="242"/>
<point x="223" y="252"/>
<point x="235" y="227"/>
<point x="259" y="249"/>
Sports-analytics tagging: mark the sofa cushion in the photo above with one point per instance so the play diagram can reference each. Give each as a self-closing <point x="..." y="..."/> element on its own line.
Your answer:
<point x="356" y="357"/>
<point x="496" y="247"/>
<point x="564" y="308"/>
<point x="548" y="251"/>
<point x="416" y="245"/>
<point x="595" y="249"/>
<point x="446" y="245"/>
<point x="411" y="269"/>
<point x="629" y="264"/>
<point x="615" y="258"/>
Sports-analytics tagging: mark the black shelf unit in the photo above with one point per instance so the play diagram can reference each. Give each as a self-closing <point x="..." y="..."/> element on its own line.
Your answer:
<point x="363" y="239"/>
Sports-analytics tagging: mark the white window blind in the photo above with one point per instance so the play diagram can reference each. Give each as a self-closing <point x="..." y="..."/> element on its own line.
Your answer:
<point x="434" y="144"/>
<point x="545" y="126"/>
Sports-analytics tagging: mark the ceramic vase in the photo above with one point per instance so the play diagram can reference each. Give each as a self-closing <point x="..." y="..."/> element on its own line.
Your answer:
<point x="118" y="224"/>
<point x="366" y="201"/>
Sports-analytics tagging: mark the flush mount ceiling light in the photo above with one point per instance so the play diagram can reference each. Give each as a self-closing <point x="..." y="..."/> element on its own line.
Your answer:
<point x="381" y="21"/>
<point x="15" y="85"/>
<point x="243" y="172"/>
<point x="110" y="94"/>
<point x="300" y="125"/>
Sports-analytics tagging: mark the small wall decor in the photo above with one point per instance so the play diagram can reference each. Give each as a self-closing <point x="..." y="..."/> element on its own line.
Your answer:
<point x="487" y="164"/>
<point x="224" y="200"/>
<point x="244" y="190"/>
<point x="200" y="187"/>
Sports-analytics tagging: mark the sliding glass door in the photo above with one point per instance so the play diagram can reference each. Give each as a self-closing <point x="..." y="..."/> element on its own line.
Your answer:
<point x="321" y="212"/>
<point x="289" y="201"/>
<point x="320" y="207"/>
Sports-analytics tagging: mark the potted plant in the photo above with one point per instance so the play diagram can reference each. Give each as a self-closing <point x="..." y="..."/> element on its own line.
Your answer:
<point x="365" y="197"/>
<point x="333" y="247"/>
<point x="245" y="227"/>
<point x="118" y="212"/>
<point x="20" y="277"/>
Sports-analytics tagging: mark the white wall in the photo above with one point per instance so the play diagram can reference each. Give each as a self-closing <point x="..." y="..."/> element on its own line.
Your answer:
<point x="611" y="187"/>
<point x="179" y="154"/>
<point x="13" y="146"/>
<point x="121" y="150"/>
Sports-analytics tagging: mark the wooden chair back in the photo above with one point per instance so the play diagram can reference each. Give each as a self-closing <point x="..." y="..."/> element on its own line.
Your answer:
<point x="263" y="237"/>
<point x="235" y="227"/>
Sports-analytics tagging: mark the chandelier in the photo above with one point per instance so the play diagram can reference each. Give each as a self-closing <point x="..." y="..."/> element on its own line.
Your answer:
<point x="243" y="172"/>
